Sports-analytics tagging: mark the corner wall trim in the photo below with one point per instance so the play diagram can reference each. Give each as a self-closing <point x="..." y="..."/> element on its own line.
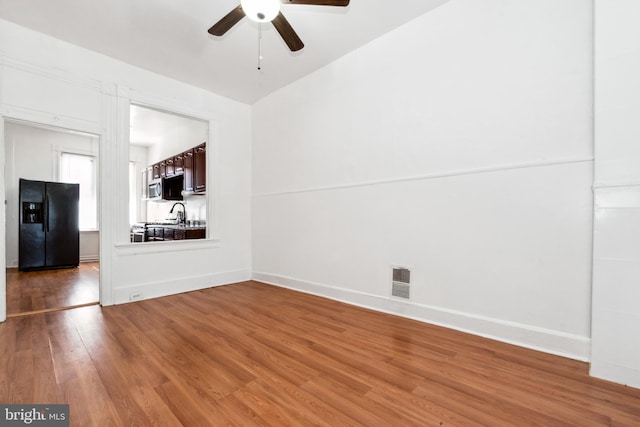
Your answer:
<point x="545" y="340"/>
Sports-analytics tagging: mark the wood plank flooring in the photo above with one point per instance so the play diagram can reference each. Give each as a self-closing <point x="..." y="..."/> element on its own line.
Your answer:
<point x="252" y="354"/>
<point x="46" y="290"/>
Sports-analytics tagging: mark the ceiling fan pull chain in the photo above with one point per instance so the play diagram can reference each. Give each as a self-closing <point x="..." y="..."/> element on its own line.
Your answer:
<point x="259" y="46"/>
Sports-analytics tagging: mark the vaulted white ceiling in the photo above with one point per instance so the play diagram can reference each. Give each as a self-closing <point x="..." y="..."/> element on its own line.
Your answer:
<point x="170" y="37"/>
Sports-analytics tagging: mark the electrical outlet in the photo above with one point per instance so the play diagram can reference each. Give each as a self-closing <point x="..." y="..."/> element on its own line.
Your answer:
<point x="133" y="296"/>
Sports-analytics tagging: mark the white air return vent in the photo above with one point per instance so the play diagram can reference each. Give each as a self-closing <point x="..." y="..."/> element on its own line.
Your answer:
<point x="401" y="282"/>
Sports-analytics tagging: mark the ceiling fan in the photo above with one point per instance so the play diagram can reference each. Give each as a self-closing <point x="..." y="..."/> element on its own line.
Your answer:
<point x="269" y="11"/>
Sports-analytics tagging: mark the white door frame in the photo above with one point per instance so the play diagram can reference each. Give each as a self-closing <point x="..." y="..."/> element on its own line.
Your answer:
<point x="54" y="122"/>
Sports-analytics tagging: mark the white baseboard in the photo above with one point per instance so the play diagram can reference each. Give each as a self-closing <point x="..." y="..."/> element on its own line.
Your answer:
<point x="178" y="286"/>
<point x="546" y="340"/>
<point x="84" y="258"/>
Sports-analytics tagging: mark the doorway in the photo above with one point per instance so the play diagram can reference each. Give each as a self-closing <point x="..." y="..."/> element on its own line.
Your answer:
<point x="42" y="153"/>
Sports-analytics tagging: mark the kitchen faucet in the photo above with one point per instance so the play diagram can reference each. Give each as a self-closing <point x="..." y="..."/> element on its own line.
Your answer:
<point x="180" y="215"/>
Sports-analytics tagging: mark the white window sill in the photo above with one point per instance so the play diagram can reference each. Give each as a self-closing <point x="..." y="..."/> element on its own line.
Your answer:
<point x="144" y="248"/>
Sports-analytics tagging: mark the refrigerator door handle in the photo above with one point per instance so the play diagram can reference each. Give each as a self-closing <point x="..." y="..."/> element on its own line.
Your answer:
<point x="45" y="224"/>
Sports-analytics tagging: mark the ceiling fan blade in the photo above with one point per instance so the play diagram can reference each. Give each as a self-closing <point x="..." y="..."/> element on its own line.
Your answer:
<point x="287" y="32"/>
<point x="342" y="3"/>
<point x="228" y="21"/>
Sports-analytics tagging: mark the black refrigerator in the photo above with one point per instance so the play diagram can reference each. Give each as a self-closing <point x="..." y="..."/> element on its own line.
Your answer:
<point x="49" y="235"/>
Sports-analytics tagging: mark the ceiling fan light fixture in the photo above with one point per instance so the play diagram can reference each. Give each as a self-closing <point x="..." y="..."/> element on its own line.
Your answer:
<point x="261" y="10"/>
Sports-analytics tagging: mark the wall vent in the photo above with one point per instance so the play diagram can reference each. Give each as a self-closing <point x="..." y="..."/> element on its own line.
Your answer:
<point x="401" y="281"/>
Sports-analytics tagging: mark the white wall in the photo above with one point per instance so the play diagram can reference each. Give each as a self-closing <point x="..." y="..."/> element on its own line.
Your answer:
<point x="171" y="133"/>
<point x="33" y="153"/>
<point x="615" y="351"/>
<point x="49" y="81"/>
<point x="459" y="145"/>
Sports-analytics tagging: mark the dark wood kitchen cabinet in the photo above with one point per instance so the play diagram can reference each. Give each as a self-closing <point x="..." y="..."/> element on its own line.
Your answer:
<point x="179" y="234"/>
<point x="196" y="233"/>
<point x="191" y="164"/>
<point x="178" y="164"/>
<point x="170" y="169"/>
<point x="200" y="169"/>
<point x="188" y="170"/>
<point x="154" y="234"/>
<point x="160" y="233"/>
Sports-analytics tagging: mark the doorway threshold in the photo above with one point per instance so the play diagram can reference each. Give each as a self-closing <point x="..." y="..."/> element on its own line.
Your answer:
<point x="50" y="310"/>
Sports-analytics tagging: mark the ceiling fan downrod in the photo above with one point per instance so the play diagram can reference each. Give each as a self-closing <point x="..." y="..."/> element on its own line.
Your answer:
<point x="259" y="46"/>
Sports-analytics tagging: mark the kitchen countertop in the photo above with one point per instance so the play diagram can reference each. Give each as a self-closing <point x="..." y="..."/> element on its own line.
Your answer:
<point x="175" y="226"/>
<point x="179" y="226"/>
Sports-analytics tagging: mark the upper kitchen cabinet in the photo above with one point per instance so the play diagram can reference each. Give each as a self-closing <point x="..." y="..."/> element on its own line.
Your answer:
<point x="155" y="171"/>
<point x="191" y="165"/>
<point x="170" y="169"/>
<point x="178" y="164"/>
<point x="200" y="168"/>
<point x="188" y="171"/>
<point x="191" y="177"/>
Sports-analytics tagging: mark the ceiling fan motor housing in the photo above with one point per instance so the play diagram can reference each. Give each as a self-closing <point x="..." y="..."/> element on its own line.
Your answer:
<point x="261" y="10"/>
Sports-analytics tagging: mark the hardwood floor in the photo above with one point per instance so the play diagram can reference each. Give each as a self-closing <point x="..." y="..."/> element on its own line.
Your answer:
<point x="45" y="290"/>
<point x="252" y="354"/>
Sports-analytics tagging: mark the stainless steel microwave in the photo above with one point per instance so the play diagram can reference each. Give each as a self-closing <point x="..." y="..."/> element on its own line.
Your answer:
<point x="155" y="190"/>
